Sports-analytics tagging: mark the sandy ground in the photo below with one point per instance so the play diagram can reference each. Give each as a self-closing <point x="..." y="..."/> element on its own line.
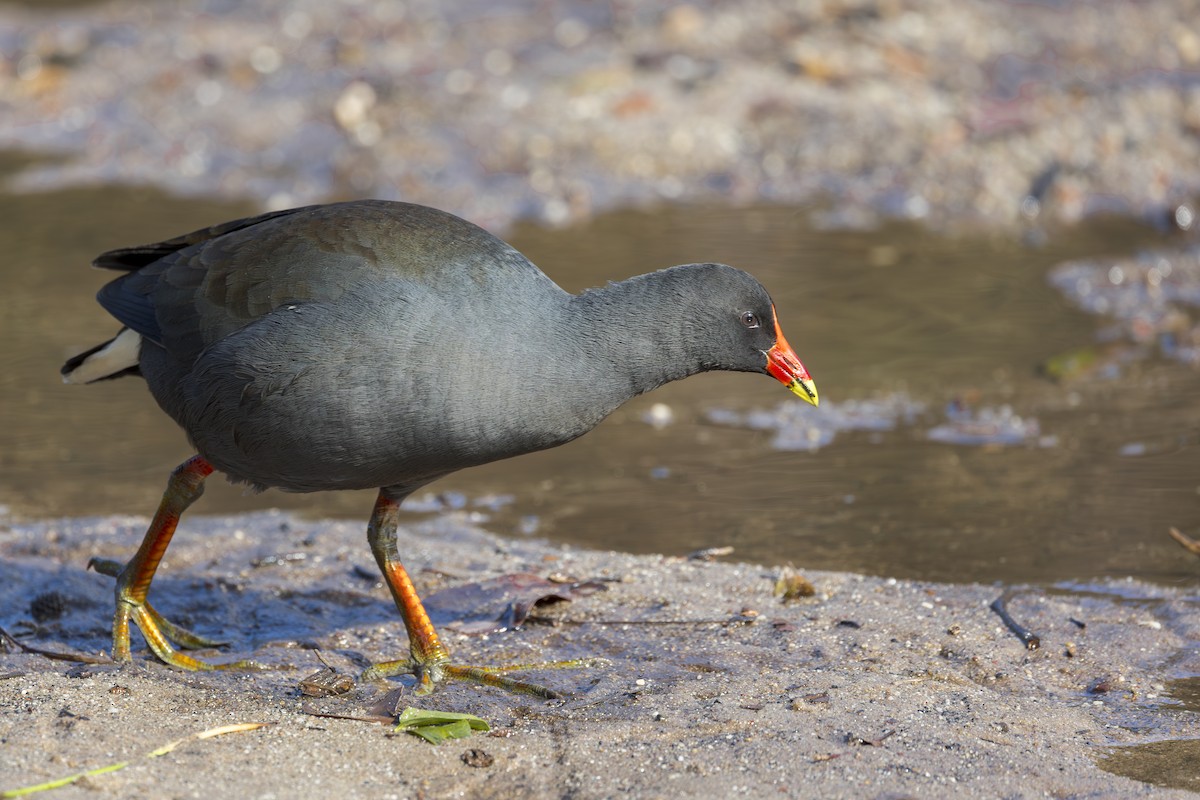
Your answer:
<point x="716" y="688"/>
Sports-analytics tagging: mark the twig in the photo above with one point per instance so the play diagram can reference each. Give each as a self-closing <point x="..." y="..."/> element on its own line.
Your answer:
<point x="1185" y="541"/>
<point x="312" y="712"/>
<point x="709" y="553"/>
<point x="1000" y="606"/>
<point x="78" y="658"/>
<point x="862" y="740"/>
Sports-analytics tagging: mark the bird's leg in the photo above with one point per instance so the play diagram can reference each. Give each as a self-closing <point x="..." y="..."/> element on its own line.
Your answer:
<point x="133" y="580"/>
<point x="428" y="654"/>
<point x="429" y="659"/>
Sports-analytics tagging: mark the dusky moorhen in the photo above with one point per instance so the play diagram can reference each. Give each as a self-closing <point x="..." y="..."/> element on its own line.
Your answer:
<point x="377" y="344"/>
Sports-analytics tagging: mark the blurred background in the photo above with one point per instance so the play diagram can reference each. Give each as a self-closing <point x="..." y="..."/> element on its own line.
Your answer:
<point x="976" y="220"/>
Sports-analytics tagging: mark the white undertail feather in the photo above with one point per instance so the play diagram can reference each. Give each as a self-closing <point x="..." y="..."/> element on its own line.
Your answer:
<point x="119" y="354"/>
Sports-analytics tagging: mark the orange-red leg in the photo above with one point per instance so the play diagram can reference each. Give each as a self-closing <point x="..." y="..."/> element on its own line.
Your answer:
<point x="428" y="655"/>
<point x="429" y="659"/>
<point x="133" y="581"/>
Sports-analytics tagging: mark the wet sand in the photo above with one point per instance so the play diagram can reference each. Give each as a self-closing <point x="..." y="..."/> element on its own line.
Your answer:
<point x="870" y="688"/>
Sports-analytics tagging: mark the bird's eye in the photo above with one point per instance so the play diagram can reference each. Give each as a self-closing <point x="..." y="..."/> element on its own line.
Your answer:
<point x="750" y="320"/>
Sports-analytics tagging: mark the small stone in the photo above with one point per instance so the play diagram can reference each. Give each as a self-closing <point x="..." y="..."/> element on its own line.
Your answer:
<point x="478" y="758"/>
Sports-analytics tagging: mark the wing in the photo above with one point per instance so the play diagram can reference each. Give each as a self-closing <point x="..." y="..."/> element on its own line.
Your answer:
<point x="189" y="292"/>
<point x="134" y="258"/>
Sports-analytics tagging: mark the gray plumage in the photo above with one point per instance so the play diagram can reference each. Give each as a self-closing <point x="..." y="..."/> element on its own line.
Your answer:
<point x="376" y="344"/>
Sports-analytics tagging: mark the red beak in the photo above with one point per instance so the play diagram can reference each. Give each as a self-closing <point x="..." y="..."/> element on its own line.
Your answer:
<point x="784" y="365"/>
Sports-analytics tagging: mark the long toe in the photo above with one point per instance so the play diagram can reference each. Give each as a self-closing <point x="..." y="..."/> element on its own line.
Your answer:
<point x="165" y="638"/>
<point x="431" y="676"/>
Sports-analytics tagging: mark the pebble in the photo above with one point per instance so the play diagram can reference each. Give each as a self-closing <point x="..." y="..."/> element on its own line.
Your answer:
<point x="946" y="111"/>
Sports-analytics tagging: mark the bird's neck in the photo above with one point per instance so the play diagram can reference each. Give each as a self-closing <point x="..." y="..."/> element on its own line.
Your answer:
<point x="637" y="333"/>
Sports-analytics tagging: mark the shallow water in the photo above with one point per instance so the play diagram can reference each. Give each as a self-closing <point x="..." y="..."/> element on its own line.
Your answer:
<point x="1168" y="762"/>
<point x="894" y="311"/>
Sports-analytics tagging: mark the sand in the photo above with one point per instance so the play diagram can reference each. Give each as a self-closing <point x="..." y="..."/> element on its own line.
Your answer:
<point x="714" y="686"/>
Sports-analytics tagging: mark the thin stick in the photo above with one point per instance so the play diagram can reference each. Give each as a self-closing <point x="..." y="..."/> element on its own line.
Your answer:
<point x="1000" y="606"/>
<point x="1185" y="541"/>
<point x="37" y="651"/>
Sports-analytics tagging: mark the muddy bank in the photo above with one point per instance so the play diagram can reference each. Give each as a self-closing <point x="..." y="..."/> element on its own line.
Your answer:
<point x="869" y="688"/>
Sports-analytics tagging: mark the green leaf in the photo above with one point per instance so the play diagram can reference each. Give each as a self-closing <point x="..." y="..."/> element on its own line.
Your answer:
<point x="436" y="734"/>
<point x="436" y="727"/>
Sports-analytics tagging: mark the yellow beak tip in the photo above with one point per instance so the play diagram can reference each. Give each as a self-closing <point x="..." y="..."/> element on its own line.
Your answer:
<point x="805" y="390"/>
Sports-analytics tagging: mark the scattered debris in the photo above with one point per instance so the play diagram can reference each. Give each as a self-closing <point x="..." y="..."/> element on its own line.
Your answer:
<point x="326" y="682"/>
<point x="500" y="604"/>
<point x="436" y="727"/>
<point x="1000" y="606"/>
<point x="8" y="639"/>
<point x="1185" y="541"/>
<point x="709" y="553"/>
<point x="854" y="739"/>
<point x="388" y="703"/>
<point x="312" y="712"/>
<point x="478" y="758"/>
<point x="791" y="585"/>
